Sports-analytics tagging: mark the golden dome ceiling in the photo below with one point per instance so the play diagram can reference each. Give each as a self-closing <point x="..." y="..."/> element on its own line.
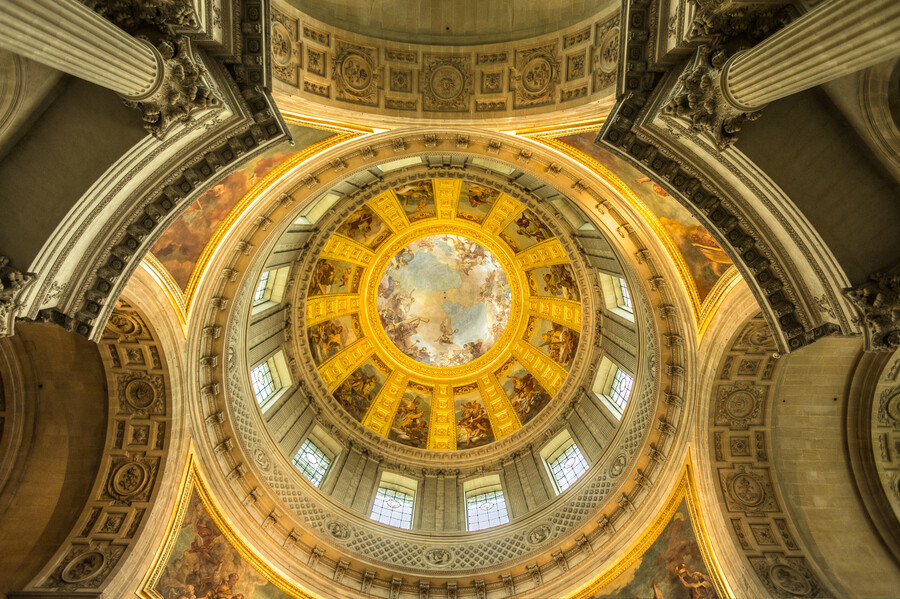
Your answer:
<point x="443" y="314"/>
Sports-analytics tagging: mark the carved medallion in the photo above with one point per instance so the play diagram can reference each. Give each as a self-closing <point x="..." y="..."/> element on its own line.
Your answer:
<point x="739" y="405"/>
<point x="261" y="459"/>
<point x="129" y="479"/>
<point x="791" y="581"/>
<point x="355" y="74"/>
<point x="281" y="44"/>
<point x="140" y="394"/>
<point x="540" y="534"/>
<point x="747" y="490"/>
<point x="605" y="57"/>
<point x="439" y="557"/>
<point x="83" y="567"/>
<point x="446" y="83"/>
<point x="338" y="530"/>
<point x="536" y="75"/>
<point x="617" y="467"/>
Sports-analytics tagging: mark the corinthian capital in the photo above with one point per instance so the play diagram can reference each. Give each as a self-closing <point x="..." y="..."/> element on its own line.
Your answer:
<point x="180" y="91"/>
<point x="698" y="98"/>
<point x="12" y="283"/>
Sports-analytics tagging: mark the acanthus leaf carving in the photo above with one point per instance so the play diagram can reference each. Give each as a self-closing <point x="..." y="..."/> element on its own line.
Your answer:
<point x="878" y="300"/>
<point x="12" y="283"/>
<point x="698" y="98"/>
<point x="180" y="90"/>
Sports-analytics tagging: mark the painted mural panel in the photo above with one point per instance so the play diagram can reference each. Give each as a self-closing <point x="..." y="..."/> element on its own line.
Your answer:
<point x="444" y="300"/>
<point x="705" y="259"/>
<point x="358" y="391"/>
<point x="555" y="340"/>
<point x="525" y="393"/>
<point x="556" y="280"/>
<point x="329" y="337"/>
<point x="417" y="200"/>
<point x="179" y="247"/>
<point x="473" y="426"/>
<point x="671" y="568"/>
<point x="524" y="231"/>
<point x="333" y="276"/>
<point x="365" y="227"/>
<point x="475" y="202"/>
<point x="204" y="565"/>
<point x="410" y="426"/>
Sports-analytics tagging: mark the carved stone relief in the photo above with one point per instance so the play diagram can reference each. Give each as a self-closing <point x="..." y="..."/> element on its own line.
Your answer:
<point x="139" y="423"/>
<point x="287" y="48"/>
<point x="738" y="425"/>
<point x="535" y="76"/>
<point x="446" y="83"/>
<point x="466" y="80"/>
<point x="357" y="79"/>
<point x="605" y="54"/>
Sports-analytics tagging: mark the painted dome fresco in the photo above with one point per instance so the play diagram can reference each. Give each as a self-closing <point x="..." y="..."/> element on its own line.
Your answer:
<point x="443" y="314"/>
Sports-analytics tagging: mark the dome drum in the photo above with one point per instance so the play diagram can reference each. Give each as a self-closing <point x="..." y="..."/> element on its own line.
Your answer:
<point x="336" y="514"/>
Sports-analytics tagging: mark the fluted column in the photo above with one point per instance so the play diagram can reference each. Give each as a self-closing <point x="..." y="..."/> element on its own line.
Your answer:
<point x="72" y="38"/>
<point x="836" y="38"/>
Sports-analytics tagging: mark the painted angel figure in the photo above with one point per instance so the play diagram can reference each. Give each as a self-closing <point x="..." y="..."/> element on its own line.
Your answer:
<point x="447" y="332"/>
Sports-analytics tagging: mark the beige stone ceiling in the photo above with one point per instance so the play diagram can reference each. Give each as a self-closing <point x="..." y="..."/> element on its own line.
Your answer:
<point x="451" y="22"/>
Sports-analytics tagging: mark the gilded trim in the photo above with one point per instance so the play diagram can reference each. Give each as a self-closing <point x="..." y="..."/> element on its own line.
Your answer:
<point x="558" y="130"/>
<point x="161" y="275"/>
<point x="716" y="296"/>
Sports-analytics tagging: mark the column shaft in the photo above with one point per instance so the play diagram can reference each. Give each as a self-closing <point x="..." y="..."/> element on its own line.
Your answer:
<point x="836" y="38"/>
<point x="70" y="37"/>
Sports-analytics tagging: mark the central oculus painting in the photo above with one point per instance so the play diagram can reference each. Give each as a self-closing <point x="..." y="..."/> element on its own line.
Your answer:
<point x="444" y="300"/>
